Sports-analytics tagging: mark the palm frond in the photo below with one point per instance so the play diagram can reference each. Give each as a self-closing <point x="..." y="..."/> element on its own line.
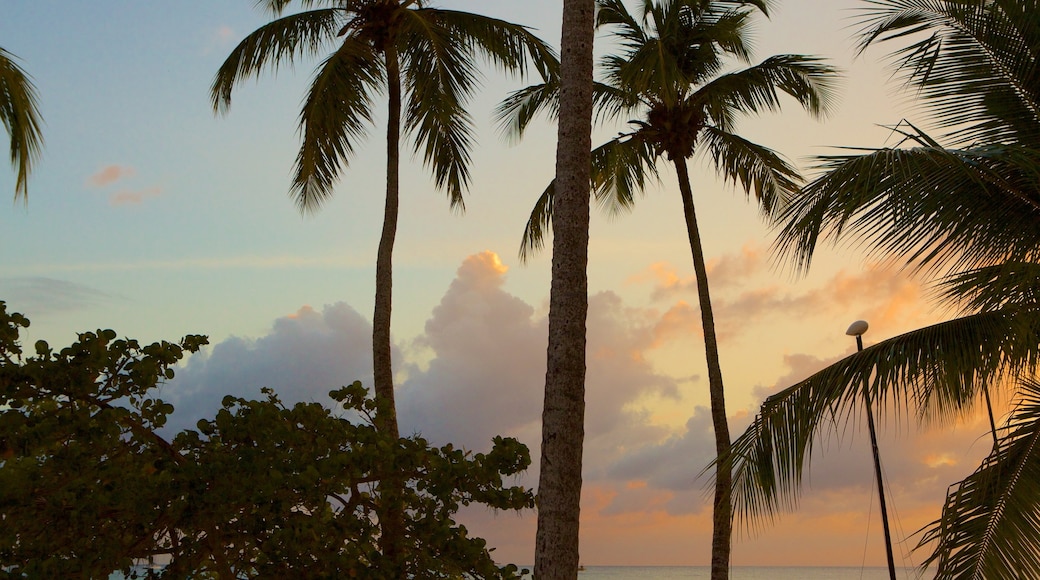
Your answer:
<point x="439" y="75"/>
<point x="272" y="45"/>
<point x="757" y="168"/>
<point x="516" y="111"/>
<point x="439" y="51"/>
<point x="539" y="224"/>
<point x="988" y="525"/>
<point x="510" y="47"/>
<point x="1008" y="284"/>
<point x="937" y="371"/>
<point x="333" y="118"/>
<point x="276" y="8"/>
<point x="685" y="45"/>
<point x="614" y="13"/>
<point x="975" y="66"/>
<point x="756" y="89"/>
<point x="513" y="115"/>
<point x="20" y="115"/>
<point x="927" y="206"/>
<point x="620" y="169"/>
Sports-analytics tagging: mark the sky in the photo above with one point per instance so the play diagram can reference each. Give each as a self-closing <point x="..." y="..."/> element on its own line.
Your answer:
<point x="153" y="216"/>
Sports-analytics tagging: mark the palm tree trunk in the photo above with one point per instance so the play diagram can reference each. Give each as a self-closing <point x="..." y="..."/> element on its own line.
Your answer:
<point x="383" y="377"/>
<point x="391" y="519"/>
<point x="722" y="532"/>
<point x="563" y="414"/>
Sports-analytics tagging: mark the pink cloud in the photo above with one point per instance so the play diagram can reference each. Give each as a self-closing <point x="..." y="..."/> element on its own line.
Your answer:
<point x="110" y="174"/>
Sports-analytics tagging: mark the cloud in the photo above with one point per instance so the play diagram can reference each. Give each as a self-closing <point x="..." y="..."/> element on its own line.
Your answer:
<point x="679" y="321"/>
<point x="128" y="197"/>
<point x="723" y="272"/>
<point x="306" y="355"/>
<point x="488" y="362"/>
<point x="110" y="174"/>
<point x="478" y="370"/>
<point x="487" y="371"/>
<point x="224" y="34"/>
<point x="890" y="300"/>
<point x="39" y="296"/>
<point x="799" y="367"/>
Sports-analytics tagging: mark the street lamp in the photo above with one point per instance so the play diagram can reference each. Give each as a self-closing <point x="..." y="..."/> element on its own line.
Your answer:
<point x="857" y="329"/>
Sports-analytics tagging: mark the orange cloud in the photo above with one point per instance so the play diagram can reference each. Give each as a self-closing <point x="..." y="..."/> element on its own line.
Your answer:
<point x="728" y="270"/>
<point x="890" y="301"/>
<point x="735" y="268"/>
<point x="680" y="320"/>
<point x="110" y="174"/>
<point x="305" y="311"/>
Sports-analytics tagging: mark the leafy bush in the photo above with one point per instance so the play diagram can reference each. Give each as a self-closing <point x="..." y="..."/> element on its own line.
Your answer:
<point x="89" y="485"/>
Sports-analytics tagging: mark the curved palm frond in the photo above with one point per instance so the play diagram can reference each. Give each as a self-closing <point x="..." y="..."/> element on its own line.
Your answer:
<point x="722" y="24"/>
<point x="620" y="170"/>
<point x="679" y="50"/>
<point x="976" y="66"/>
<point x="756" y="89"/>
<point x="539" y="224"/>
<point x="276" y="8"/>
<point x="988" y="525"/>
<point x="971" y="213"/>
<point x="438" y="49"/>
<point x="627" y="28"/>
<point x="755" y="167"/>
<point x="937" y="371"/>
<point x="278" y="42"/>
<point x="20" y="115"/>
<point x="1002" y="285"/>
<point x="334" y="116"/>
<point x="929" y="207"/>
<point x="515" y="112"/>
<point x="439" y="74"/>
<point x="510" y="47"/>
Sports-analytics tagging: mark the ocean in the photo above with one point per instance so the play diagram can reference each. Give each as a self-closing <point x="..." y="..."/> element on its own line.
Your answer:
<point x="743" y="573"/>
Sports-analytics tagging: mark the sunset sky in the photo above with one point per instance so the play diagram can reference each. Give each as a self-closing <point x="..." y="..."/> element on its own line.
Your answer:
<point x="150" y="215"/>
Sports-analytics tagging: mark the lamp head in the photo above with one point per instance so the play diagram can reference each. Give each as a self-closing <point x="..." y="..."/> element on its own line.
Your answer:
<point x="857" y="328"/>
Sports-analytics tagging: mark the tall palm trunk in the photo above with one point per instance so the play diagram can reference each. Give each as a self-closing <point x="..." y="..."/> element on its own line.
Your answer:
<point x="392" y="519"/>
<point x="722" y="532"/>
<point x="383" y="377"/>
<point x="563" y="414"/>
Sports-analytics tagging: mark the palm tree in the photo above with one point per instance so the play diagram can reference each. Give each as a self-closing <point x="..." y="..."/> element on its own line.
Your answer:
<point x="425" y="59"/>
<point x="966" y="214"/>
<point x="669" y="74"/>
<point x="563" y="411"/>
<point x="21" y="117"/>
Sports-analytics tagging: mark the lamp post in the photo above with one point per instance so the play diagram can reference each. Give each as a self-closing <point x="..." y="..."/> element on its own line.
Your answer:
<point x="857" y="329"/>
